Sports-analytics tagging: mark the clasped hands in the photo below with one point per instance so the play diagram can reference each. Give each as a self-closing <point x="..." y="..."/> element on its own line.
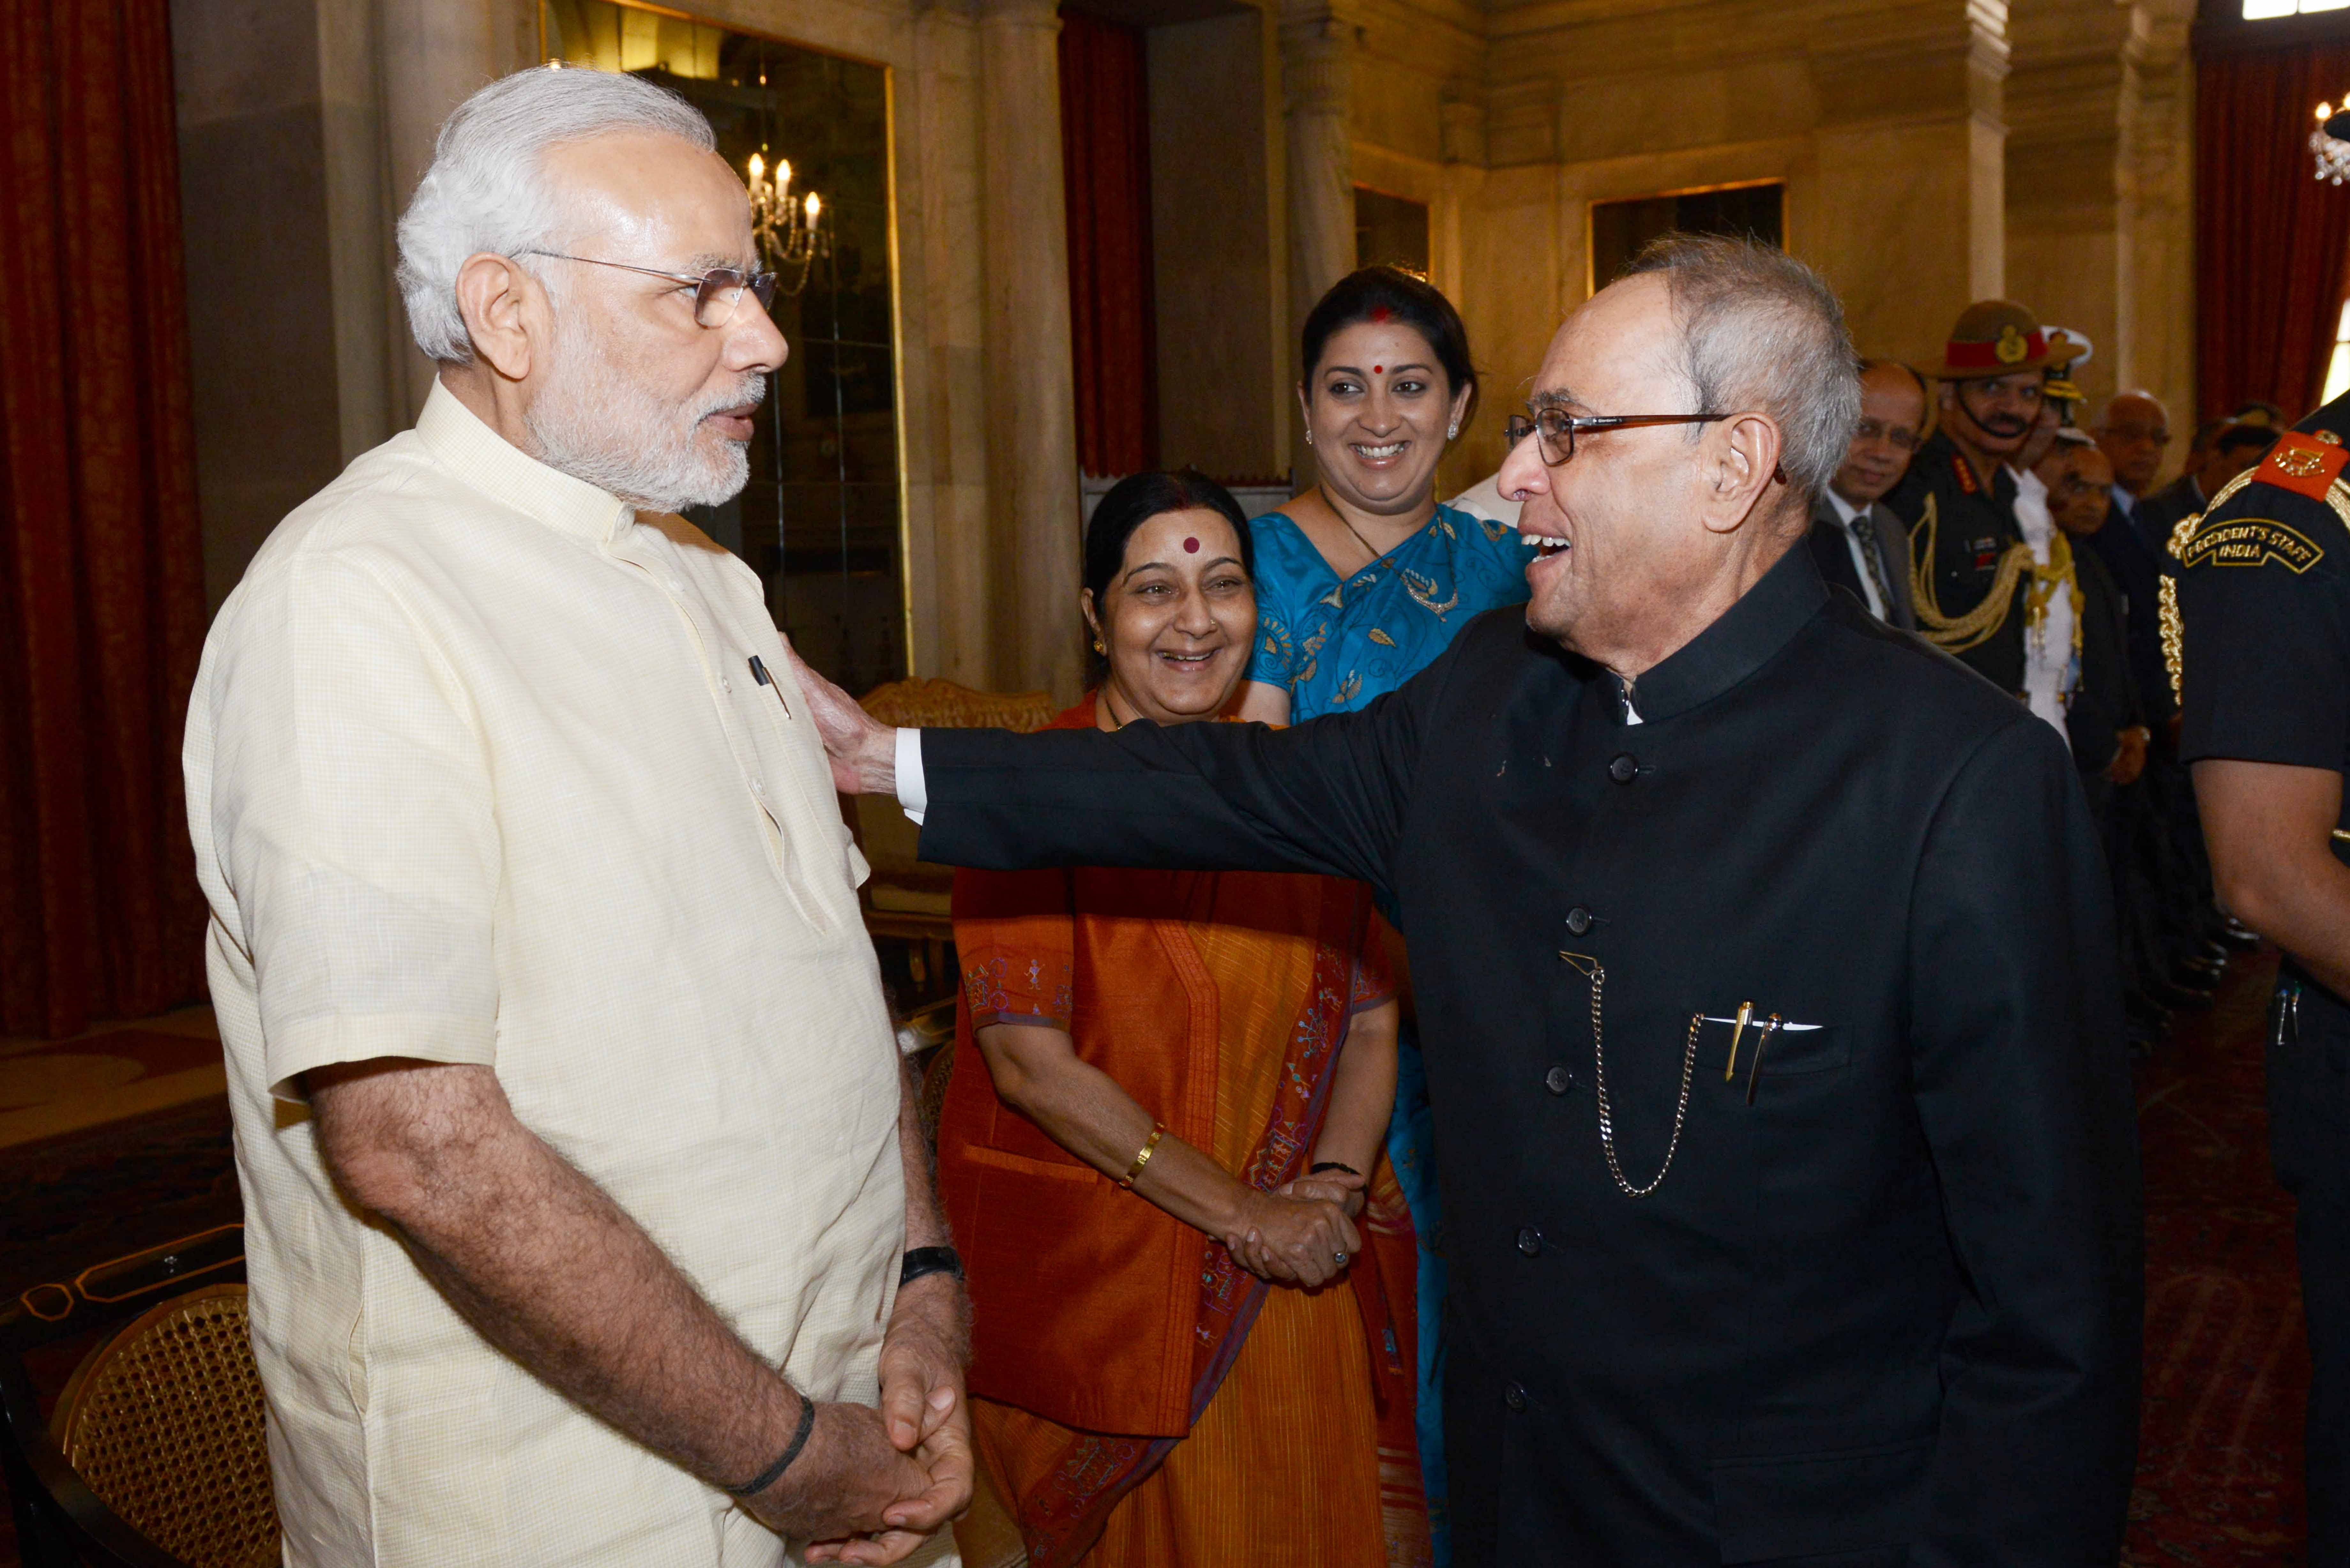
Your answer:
<point x="874" y="1484"/>
<point x="1302" y="1233"/>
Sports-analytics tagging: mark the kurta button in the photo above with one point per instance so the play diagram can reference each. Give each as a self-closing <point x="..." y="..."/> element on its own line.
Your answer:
<point x="1622" y="769"/>
<point x="1514" y="1395"/>
<point x="1578" y="919"/>
<point x="1559" y="1080"/>
<point x="1529" y="1241"/>
<point x="758" y="788"/>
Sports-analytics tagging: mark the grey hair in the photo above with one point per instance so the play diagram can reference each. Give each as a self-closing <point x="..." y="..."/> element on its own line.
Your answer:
<point x="486" y="191"/>
<point x="1761" y="330"/>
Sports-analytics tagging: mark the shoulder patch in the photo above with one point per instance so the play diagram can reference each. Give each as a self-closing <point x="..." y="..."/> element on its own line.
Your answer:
<point x="2303" y="464"/>
<point x="2249" y="542"/>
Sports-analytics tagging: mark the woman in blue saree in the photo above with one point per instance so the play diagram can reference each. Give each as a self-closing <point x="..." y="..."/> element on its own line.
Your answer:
<point x="1361" y="582"/>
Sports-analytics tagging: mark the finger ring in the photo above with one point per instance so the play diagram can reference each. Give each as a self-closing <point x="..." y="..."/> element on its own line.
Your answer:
<point x="1339" y="1259"/>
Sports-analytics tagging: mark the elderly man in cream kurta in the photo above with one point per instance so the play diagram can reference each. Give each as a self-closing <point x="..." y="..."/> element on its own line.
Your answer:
<point x="568" y="1109"/>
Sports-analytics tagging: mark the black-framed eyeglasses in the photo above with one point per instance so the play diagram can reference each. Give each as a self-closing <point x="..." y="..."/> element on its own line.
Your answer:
<point x="1558" y="428"/>
<point x="717" y="294"/>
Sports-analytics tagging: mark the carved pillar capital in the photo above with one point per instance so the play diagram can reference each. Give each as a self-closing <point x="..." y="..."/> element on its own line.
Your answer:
<point x="1318" y="60"/>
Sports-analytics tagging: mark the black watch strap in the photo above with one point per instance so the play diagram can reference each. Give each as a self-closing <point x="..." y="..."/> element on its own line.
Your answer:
<point x="922" y="1261"/>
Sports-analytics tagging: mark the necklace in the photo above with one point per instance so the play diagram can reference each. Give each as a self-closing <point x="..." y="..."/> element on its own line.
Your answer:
<point x="1596" y="973"/>
<point x="1377" y="559"/>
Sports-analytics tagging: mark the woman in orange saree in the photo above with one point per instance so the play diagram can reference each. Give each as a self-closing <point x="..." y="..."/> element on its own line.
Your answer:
<point x="1162" y="1151"/>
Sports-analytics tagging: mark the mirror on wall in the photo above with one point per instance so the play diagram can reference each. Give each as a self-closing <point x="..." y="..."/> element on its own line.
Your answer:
<point x="821" y="521"/>
<point x="1390" y="231"/>
<point x="1619" y="228"/>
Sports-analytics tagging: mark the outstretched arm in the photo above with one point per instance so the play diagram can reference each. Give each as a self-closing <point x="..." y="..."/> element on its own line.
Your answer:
<point x="1328" y="797"/>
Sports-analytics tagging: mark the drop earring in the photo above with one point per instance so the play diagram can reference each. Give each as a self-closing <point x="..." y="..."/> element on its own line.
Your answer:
<point x="1099" y="648"/>
<point x="1309" y="438"/>
<point x="1452" y="432"/>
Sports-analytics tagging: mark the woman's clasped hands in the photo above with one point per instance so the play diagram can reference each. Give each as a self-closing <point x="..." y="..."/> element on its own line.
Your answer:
<point x="1301" y="1234"/>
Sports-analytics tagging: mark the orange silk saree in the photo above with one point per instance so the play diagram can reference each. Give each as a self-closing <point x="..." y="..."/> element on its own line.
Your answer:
<point x="1141" y="1398"/>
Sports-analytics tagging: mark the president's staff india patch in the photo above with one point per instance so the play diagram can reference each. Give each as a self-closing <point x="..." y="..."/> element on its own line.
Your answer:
<point x="2249" y="542"/>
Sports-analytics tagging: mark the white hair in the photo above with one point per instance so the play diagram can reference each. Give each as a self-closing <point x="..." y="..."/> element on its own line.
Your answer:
<point x="487" y="191"/>
<point x="1761" y="330"/>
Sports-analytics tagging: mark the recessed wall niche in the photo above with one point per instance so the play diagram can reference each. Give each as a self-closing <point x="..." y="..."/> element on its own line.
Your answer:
<point x="1619" y="228"/>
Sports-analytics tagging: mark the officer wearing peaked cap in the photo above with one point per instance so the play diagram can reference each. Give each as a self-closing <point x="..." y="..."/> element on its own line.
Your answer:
<point x="1975" y="581"/>
<point x="2257" y="638"/>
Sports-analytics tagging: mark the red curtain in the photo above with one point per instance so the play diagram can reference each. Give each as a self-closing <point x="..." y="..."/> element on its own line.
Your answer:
<point x="1105" y="169"/>
<point x="2270" y="239"/>
<point x="101" y="564"/>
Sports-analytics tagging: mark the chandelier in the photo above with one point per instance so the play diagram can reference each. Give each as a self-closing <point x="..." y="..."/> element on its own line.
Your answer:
<point x="792" y="234"/>
<point x="2330" y="143"/>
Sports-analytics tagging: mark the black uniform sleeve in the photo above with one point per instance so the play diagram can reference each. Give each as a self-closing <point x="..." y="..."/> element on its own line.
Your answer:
<point x="2264" y="647"/>
<point x="1328" y="797"/>
<point x="2021" y="1081"/>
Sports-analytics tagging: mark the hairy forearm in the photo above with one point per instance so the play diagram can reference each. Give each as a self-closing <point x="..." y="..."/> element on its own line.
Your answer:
<point x="926" y="1225"/>
<point x="1362" y="1093"/>
<point x="547" y="1267"/>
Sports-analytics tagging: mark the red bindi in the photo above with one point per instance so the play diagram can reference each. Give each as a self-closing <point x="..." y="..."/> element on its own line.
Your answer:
<point x="1378" y="369"/>
<point x="1191" y="546"/>
<point x="1381" y="316"/>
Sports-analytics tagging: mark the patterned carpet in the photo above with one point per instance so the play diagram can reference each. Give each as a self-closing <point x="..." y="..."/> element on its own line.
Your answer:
<point x="2218" y="1479"/>
<point x="2219" y="1463"/>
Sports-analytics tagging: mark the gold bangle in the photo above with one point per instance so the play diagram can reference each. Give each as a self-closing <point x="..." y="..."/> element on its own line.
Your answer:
<point x="1158" y="1131"/>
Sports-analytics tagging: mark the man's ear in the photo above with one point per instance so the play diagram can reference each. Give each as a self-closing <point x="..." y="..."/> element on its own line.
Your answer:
<point x="1742" y="463"/>
<point x="495" y="297"/>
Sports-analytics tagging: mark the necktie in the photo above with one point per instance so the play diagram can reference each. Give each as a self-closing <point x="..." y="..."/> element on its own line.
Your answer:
<point x="1864" y="528"/>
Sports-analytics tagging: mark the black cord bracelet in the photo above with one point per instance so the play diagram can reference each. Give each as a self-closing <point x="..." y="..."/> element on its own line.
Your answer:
<point x="1334" y="1165"/>
<point x="923" y="1260"/>
<point x="775" y="1472"/>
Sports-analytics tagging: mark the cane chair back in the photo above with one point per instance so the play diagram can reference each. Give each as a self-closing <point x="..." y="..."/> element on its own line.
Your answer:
<point x="164" y="1424"/>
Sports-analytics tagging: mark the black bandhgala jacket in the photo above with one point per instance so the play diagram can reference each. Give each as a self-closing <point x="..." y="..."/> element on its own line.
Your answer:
<point x="1887" y="1296"/>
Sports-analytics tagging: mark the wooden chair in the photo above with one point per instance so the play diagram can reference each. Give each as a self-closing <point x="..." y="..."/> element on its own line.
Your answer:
<point x="156" y="1456"/>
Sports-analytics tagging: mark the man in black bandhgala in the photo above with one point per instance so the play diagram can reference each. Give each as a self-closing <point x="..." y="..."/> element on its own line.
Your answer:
<point x="1765" y="965"/>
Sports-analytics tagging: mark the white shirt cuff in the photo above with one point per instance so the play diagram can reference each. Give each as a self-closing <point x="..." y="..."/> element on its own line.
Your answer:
<point x="913" y="791"/>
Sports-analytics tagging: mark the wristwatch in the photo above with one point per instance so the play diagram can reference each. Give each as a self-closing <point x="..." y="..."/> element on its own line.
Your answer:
<point x="923" y="1260"/>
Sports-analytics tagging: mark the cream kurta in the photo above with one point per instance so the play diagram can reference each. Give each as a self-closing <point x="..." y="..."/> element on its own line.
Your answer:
<point x="477" y="772"/>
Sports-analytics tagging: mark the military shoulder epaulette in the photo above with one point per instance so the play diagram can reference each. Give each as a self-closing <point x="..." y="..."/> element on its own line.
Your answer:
<point x="2304" y="465"/>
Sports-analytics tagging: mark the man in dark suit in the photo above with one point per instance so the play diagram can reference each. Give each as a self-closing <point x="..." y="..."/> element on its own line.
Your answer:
<point x="2234" y="448"/>
<point x="1765" y="966"/>
<point x="1858" y="545"/>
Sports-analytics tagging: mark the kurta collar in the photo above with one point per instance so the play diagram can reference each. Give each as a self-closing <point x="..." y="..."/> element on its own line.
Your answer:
<point x="1745" y="638"/>
<point x="489" y="462"/>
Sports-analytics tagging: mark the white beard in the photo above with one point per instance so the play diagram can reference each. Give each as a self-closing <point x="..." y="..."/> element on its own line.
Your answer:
<point x="595" y="422"/>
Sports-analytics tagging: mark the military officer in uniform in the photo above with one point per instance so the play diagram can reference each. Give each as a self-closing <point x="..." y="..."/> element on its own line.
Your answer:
<point x="1975" y="584"/>
<point x="2259" y="639"/>
<point x="1765" y="965"/>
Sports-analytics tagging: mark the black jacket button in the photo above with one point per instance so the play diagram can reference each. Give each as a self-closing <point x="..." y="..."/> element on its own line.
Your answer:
<point x="1529" y="1241"/>
<point x="1514" y="1395"/>
<point x="1622" y="769"/>
<point x="1559" y="1080"/>
<point x="1578" y="919"/>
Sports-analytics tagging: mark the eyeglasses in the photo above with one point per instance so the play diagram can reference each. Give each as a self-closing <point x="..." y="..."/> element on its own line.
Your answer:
<point x="717" y="294"/>
<point x="1901" y="438"/>
<point x="1558" y="428"/>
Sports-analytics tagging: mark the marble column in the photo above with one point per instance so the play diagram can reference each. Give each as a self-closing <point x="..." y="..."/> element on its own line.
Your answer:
<point x="2154" y="181"/>
<point x="1032" y="503"/>
<point x="432" y="55"/>
<point x="1317" y="71"/>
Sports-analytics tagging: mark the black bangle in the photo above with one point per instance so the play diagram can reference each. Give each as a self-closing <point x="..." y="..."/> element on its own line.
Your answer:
<point x="924" y="1261"/>
<point x="775" y="1472"/>
<point x="1334" y="1165"/>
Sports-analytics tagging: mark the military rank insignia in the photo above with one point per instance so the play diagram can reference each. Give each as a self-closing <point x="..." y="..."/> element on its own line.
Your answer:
<point x="2303" y="464"/>
<point x="2249" y="542"/>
